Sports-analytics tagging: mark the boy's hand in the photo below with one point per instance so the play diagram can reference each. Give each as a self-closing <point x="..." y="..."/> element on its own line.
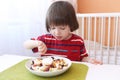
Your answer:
<point x="42" y="47"/>
<point x="90" y="60"/>
<point x="94" y="61"/>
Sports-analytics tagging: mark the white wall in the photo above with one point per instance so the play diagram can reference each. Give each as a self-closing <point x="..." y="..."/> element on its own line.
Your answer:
<point x="20" y="20"/>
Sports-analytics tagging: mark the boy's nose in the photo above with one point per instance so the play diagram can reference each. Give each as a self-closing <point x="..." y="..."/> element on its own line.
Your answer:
<point x="57" y="31"/>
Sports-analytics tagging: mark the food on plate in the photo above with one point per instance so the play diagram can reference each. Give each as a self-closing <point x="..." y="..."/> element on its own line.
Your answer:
<point x="48" y="64"/>
<point x="47" y="61"/>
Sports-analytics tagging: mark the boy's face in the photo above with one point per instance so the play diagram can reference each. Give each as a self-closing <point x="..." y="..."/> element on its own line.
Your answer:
<point x="61" y="32"/>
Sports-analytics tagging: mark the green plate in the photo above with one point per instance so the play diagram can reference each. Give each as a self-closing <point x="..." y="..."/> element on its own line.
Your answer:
<point x="19" y="72"/>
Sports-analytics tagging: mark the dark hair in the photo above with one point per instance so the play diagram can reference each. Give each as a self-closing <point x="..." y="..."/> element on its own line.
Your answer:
<point x="61" y="13"/>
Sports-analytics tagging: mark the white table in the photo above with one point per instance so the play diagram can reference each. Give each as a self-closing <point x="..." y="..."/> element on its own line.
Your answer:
<point x="95" y="72"/>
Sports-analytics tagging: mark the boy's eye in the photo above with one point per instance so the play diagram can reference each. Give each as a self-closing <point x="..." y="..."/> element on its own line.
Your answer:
<point x="62" y="28"/>
<point x="59" y="27"/>
<point x="52" y="28"/>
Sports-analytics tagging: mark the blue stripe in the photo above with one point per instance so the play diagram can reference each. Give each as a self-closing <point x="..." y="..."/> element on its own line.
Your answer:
<point x="64" y="44"/>
<point x="74" y="50"/>
<point x="60" y="50"/>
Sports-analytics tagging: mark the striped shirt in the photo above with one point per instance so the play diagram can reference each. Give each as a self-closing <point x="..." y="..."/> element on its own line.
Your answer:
<point x="73" y="48"/>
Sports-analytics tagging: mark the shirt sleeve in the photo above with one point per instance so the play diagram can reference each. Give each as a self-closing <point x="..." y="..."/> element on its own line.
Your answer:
<point x="34" y="50"/>
<point x="40" y="38"/>
<point x="83" y="52"/>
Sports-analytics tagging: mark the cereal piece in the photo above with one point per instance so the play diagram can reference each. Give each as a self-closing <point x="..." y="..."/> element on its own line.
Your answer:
<point x="37" y="61"/>
<point x="47" y="61"/>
